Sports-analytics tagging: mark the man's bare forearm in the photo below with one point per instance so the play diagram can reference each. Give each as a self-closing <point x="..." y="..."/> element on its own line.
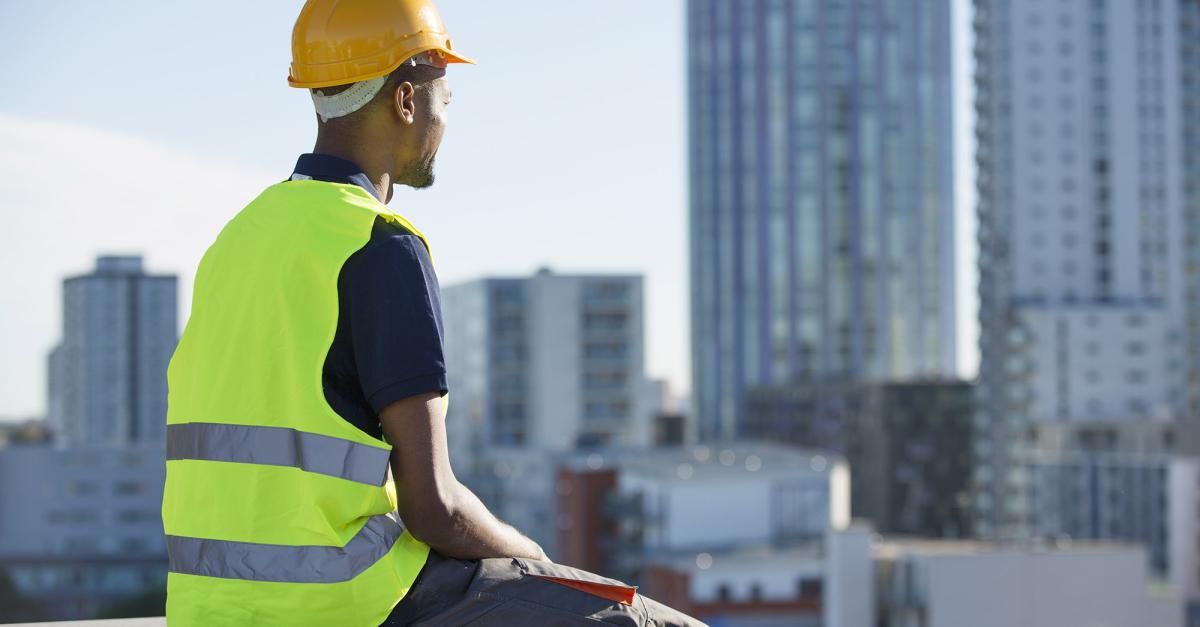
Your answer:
<point x="438" y="509"/>
<point x="472" y="532"/>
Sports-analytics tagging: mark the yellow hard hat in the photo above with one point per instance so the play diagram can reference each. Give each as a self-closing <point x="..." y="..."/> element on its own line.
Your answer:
<point x="336" y="42"/>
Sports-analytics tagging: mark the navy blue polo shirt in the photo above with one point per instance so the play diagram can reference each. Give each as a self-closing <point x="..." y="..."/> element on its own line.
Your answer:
<point x="389" y="342"/>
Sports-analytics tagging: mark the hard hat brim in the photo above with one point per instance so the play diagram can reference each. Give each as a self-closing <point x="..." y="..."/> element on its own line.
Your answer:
<point x="450" y="55"/>
<point x="453" y="57"/>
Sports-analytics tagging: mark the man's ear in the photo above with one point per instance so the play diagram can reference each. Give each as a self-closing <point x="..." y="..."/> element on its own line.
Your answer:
<point x="404" y="101"/>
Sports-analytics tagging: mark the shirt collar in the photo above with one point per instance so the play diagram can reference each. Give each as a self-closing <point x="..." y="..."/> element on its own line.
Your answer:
<point x="332" y="169"/>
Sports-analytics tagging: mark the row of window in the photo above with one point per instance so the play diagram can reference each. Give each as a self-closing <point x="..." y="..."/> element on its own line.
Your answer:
<point x="92" y="515"/>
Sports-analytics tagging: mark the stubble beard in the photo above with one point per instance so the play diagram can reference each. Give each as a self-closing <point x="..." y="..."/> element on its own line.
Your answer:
<point x="422" y="175"/>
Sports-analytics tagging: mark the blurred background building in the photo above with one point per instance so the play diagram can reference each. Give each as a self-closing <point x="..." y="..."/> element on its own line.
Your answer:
<point x="951" y="583"/>
<point x="550" y="361"/>
<point x="1082" y="212"/>
<point x="80" y="530"/>
<point x="908" y="446"/>
<point x="80" y="524"/>
<point x="822" y="215"/>
<point x="731" y="533"/>
<point x="1189" y="90"/>
<point x="107" y="378"/>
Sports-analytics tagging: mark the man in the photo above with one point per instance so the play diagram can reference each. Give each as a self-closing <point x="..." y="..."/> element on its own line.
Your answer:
<point x="312" y="365"/>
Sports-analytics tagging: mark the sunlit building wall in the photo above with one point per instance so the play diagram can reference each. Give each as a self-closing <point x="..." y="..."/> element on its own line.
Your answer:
<point x="1081" y="228"/>
<point x="551" y="362"/>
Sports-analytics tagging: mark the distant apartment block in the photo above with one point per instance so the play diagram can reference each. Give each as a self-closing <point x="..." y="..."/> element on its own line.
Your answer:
<point x="107" y="378"/>
<point x="908" y="446"/>
<point x="1089" y="220"/>
<point x="80" y="530"/>
<point x="1189" y="67"/>
<point x="821" y="197"/>
<point x="549" y="362"/>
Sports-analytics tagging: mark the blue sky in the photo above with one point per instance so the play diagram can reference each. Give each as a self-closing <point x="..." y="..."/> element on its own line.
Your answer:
<point x="142" y="126"/>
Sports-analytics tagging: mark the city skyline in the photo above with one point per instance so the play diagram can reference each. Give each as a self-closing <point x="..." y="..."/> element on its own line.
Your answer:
<point x="176" y="211"/>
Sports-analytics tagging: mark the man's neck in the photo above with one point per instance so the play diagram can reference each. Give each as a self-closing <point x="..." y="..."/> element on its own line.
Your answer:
<point x="376" y="169"/>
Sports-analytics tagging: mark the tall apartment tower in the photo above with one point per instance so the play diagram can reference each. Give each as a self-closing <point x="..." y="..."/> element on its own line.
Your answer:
<point x="1084" y="226"/>
<point x="821" y="205"/>
<point x="547" y="362"/>
<point x="108" y="375"/>
<point x="1189" y="41"/>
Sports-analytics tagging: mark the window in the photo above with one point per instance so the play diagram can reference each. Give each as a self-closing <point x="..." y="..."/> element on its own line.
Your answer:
<point x="127" y="488"/>
<point x="134" y="545"/>
<point x="131" y="516"/>
<point x="809" y="588"/>
<point x="82" y="488"/>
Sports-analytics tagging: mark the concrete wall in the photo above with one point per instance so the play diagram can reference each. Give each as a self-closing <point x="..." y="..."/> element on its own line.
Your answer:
<point x="849" y="579"/>
<point x="556" y="406"/>
<point x="1064" y="589"/>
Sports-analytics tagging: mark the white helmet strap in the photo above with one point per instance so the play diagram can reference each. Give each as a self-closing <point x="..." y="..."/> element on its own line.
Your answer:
<point x="347" y="101"/>
<point x="359" y="94"/>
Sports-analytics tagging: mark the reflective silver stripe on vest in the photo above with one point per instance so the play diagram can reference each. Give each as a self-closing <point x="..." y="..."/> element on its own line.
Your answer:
<point x="278" y="446"/>
<point x="283" y="563"/>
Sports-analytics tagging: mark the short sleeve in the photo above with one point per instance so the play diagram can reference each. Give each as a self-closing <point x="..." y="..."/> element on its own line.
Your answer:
<point x="393" y="307"/>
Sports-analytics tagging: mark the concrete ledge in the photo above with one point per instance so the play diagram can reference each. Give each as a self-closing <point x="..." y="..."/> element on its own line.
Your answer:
<point x="160" y="621"/>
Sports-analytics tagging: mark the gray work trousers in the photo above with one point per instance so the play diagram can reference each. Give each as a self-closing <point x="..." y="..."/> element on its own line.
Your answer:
<point x="508" y="591"/>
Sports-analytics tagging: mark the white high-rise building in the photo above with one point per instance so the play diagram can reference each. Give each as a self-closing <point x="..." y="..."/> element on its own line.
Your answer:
<point x="108" y="375"/>
<point x="547" y="362"/>
<point x="1082" y="210"/>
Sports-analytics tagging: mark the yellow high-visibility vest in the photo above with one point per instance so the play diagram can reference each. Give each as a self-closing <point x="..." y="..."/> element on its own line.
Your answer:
<point x="276" y="510"/>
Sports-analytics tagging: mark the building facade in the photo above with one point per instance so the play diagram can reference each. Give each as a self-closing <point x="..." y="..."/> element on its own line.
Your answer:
<point x="947" y="584"/>
<point x="622" y="509"/>
<point x="908" y="446"/>
<point x="821" y="206"/>
<point x="1081" y="227"/>
<point x="80" y="530"/>
<point x="1189" y="68"/>
<point x="1151" y="500"/>
<point x="108" y="375"/>
<point x="550" y="362"/>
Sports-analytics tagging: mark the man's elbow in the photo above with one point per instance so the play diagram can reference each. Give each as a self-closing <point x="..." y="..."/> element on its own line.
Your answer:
<point x="431" y="520"/>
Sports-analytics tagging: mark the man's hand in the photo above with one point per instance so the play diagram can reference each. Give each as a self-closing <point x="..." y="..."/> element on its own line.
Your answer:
<point x="436" y="508"/>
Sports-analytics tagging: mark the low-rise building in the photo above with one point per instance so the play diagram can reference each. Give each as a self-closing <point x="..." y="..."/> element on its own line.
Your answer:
<point x="944" y="583"/>
<point x="730" y="533"/>
<point x="80" y="529"/>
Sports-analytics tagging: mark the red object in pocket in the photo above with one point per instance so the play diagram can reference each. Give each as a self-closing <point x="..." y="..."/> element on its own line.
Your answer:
<point x="617" y="594"/>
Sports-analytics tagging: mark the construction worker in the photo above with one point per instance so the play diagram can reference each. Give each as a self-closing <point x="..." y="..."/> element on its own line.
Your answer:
<point x="307" y="473"/>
